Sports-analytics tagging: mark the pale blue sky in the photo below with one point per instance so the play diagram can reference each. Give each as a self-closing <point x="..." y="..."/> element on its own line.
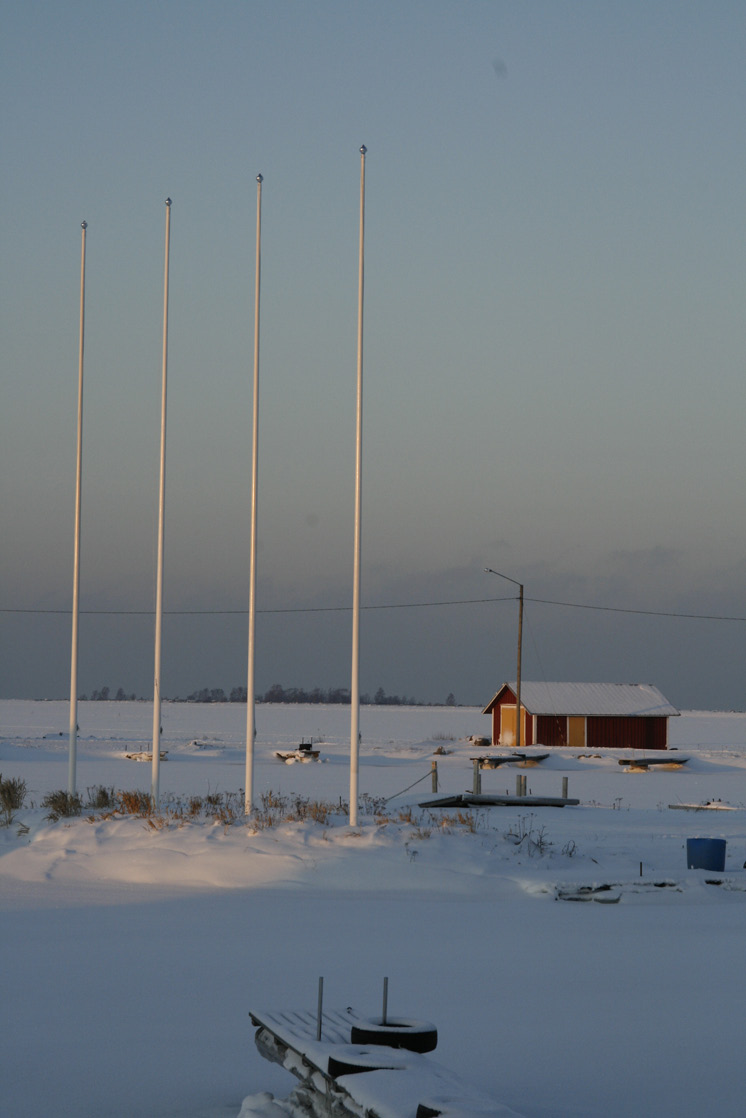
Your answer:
<point x="554" y="337"/>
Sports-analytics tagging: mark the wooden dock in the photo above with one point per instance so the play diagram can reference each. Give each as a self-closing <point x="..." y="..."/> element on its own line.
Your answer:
<point x="476" y="799"/>
<point x="644" y="764"/>
<point x="364" y="1080"/>
<point x="520" y="760"/>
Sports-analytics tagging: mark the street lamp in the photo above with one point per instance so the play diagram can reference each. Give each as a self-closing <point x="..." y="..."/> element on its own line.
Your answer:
<point x="489" y="571"/>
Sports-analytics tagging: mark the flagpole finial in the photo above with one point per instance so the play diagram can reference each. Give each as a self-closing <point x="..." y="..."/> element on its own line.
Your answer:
<point x="84" y="225"/>
<point x="363" y="149"/>
<point x="260" y="178"/>
<point x="168" y="201"/>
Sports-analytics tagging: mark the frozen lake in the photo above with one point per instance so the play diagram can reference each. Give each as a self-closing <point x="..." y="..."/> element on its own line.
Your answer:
<point x="138" y="948"/>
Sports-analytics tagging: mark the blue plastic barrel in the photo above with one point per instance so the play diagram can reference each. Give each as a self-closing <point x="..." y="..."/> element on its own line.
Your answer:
<point x="705" y="854"/>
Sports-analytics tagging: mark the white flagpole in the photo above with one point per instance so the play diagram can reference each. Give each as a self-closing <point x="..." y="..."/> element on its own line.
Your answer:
<point x="355" y="685"/>
<point x="154" y="788"/>
<point x="73" y="740"/>
<point x="250" y="721"/>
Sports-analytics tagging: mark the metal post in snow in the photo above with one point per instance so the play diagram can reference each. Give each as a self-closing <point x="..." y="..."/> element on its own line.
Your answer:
<point x="434" y="772"/>
<point x="319" y="1008"/>
<point x="155" y="777"/>
<point x="73" y="733"/>
<point x="250" y="694"/>
<point x="355" y="683"/>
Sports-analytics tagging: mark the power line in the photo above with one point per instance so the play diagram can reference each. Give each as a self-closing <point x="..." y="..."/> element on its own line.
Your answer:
<point x="389" y="605"/>
<point x="645" y="612"/>
<point x="244" y="612"/>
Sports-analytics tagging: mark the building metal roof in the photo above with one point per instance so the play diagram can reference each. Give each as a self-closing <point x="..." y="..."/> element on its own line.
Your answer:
<point x="629" y="700"/>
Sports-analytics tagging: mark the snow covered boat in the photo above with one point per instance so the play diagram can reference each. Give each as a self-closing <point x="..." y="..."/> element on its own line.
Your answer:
<point x="302" y="752"/>
<point x="707" y="805"/>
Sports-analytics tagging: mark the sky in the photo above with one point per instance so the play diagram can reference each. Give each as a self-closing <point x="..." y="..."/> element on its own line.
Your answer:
<point x="554" y="342"/>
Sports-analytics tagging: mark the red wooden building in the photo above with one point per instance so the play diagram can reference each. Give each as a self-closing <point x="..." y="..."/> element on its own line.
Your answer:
<point x="582" y="715"/>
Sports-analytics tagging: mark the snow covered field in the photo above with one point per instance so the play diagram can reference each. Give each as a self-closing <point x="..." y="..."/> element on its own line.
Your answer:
<point x="133" y="952"/>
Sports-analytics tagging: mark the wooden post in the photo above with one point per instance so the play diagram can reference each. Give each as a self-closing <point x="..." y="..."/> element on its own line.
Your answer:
<point x="477" y="782"/>
<point x="384" y="1017"/>
<point x="318" y="1011"/>
<point x="518" y="785"/>
<point x="434" y="771"/>
<point x="564" y="787"/>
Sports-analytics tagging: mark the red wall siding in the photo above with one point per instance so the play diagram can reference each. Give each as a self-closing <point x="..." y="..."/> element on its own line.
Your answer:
<point x="627" y="733"/>
<point x="551" y="729"/>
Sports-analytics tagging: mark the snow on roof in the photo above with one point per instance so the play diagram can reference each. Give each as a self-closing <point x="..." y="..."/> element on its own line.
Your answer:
<point x="628" y="699"/>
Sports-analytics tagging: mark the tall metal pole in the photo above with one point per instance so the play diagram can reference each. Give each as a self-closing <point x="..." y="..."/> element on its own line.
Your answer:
<point x="355" y="685"/>
<point x="518" y="674"/>
<point x="154" y="787"/>
<point x="250" y="698"/>
<point x="73" y="734"/>
<point x="520" y="647"/>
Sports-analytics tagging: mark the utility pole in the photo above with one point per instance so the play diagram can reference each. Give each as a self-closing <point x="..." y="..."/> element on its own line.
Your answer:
<point x="489" y="571"/>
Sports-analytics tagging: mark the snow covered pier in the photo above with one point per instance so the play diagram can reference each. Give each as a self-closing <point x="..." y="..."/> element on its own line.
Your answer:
<point x="358" y="1067"/>
<point x="473" y="799"/>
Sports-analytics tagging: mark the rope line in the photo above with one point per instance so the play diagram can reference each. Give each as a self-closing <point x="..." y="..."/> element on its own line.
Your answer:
<point x="427" y="774"/>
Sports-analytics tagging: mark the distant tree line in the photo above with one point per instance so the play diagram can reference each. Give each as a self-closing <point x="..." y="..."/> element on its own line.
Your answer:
<point x="216" y="695"/>
<point x="105" y="696"/>
<point x="277" y="694"/>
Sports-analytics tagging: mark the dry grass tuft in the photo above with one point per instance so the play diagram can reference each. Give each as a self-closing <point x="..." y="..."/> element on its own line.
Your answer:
<point x="62" y="805"/>
<point x="12" y="797"/>
<point x="134" y="802"/>
<point x="101" y="798"/>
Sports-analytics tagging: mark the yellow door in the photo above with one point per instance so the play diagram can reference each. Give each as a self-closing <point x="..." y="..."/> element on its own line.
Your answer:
<point x="507" y="725"/>
<point x="576" y="733"/>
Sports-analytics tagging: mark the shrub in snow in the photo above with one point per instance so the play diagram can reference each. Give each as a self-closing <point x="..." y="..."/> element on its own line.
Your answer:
<point x="12" y="796"/>
<point x="62" y="804"/>
<point x="100" y="798"/>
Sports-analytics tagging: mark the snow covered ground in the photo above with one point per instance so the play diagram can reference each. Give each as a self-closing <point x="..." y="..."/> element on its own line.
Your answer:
<point x="133" y="949"/>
